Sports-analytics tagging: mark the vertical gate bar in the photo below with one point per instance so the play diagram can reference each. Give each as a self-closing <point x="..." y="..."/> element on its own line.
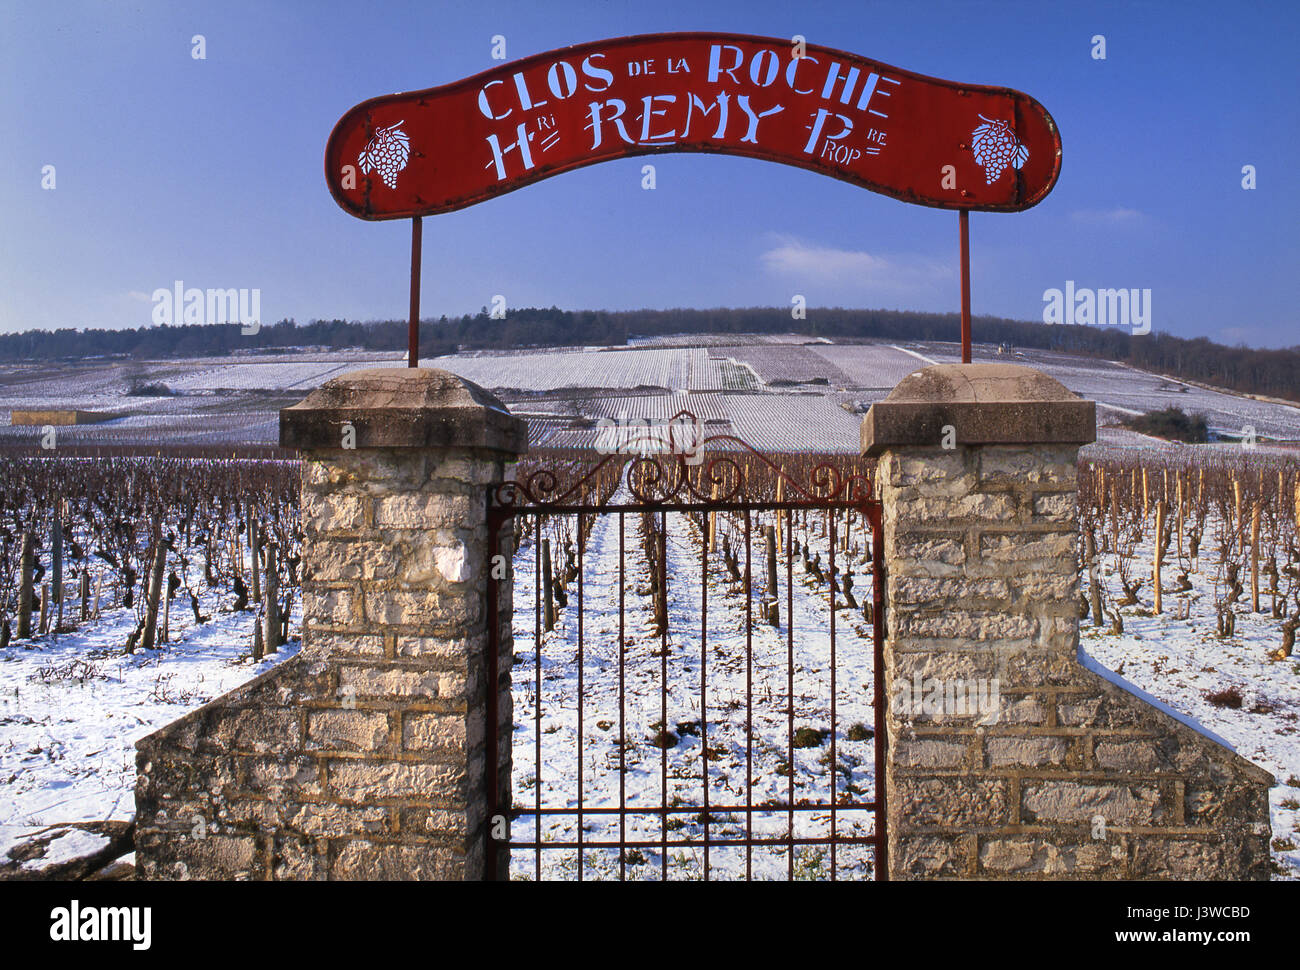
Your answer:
<point x="537" y="688"/>
<point x="789" y="681"/>
<point x="663" y="694"/>
<point x="704" y="697"/>
<point x="830" y="514"/>
<point x="749" y="705"/>
<point x="878" y="636"/>
<point x="622" y="710"/>
<point x="493" y="680"/>
<point x="581" y="544"/>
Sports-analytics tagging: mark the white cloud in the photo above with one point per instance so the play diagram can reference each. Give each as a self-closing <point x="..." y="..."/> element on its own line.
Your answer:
<point x="1107" y="217"/>
<point x="827" y="264"/>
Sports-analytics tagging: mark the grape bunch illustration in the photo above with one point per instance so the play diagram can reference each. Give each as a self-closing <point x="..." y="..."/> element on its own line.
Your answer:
<point x="386" y="153"/>
<point x="995" y="146"/>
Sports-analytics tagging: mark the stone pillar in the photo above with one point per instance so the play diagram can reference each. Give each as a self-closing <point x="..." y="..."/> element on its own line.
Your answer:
<point x="1010" y="754"/>
<point x="364" y="757"/>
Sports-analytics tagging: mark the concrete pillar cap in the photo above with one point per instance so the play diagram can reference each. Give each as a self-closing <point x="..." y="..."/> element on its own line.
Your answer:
<point x="986" y="404"/>
<point x="402" y="407"/>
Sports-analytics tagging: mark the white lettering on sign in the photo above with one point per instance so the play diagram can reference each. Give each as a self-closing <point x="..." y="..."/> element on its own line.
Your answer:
<point x="835" y="136"/>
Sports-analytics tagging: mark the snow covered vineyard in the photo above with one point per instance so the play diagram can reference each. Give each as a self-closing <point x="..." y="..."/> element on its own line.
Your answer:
<point x="776" y="392"/>
<point x="72" y="706"/>
<point x="132" y="590"/>
<point x="709" y="693"/>
<point x="669" y="690"/>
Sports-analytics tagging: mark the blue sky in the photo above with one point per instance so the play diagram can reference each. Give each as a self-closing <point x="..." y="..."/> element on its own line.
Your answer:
<point x="210" y="171"/>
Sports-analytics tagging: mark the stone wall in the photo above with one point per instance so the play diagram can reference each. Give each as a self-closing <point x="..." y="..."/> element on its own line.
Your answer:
<point x="364" y="756"/>
<point x="1008" y="757"/>
<point x="1008" y="754"/>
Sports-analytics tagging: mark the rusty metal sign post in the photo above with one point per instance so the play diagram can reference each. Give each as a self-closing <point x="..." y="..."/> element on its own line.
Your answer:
<point x="916" y="138"/>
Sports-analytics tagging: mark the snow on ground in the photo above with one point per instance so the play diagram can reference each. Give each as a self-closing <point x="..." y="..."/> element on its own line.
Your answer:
<point x="236" y="399"/>
<point x="577" y="367"/>
<point x="69" y="845"/>
<point x="73" y="706"/>
<point x="1123" y="390"/>
<point x="1180" y="661"/>
<point x="1177" y="662"/>
<point x="720" y="723"/>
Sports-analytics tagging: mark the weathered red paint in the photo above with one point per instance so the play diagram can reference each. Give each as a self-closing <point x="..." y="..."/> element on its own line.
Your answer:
<point x="879" y="127"/>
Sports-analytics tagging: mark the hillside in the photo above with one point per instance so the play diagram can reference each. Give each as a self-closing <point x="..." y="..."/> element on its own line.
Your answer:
<point x="777" y="391"/>
<point x="1252" y="371"/>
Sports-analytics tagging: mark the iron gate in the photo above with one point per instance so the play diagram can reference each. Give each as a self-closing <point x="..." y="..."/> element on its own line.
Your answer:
<point x="606" y="543"/>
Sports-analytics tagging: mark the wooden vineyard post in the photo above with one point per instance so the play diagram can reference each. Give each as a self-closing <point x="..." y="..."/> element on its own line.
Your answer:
<point x="1094" y="578"/>
<point x="166" y="611"/>
<point x="85" y="595"/>
<point x="1237" y="524"/>
<point x="285" y="614"/>
<point x="259" y="642"/>
<point x="1159" y="553"/>
<point x="1114" y="517"/>
<point x="713" y="523"/>
<point x="773" y="600"/>
<point x="254" y="573"/>
<point x="155" y="592"/>
<point x="548" y="598"/>
<point x="1254" y="558"/>
<point x="781" y="513"/>
<point x="272" y="597"/>
<point x="45" y="608"/>
<point x="1146" y="503"/>
<point x="236" y="557"/>
<point x="1179" y="476"/>
<point x="56" y="556"/>
<point x="28" y="565"/>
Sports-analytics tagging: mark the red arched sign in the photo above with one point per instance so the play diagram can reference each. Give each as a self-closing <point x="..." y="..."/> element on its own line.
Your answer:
<point x="916" y="138"/>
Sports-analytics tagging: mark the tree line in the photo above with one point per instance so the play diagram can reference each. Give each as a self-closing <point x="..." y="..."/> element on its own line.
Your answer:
<point x="1270" y="372"/>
